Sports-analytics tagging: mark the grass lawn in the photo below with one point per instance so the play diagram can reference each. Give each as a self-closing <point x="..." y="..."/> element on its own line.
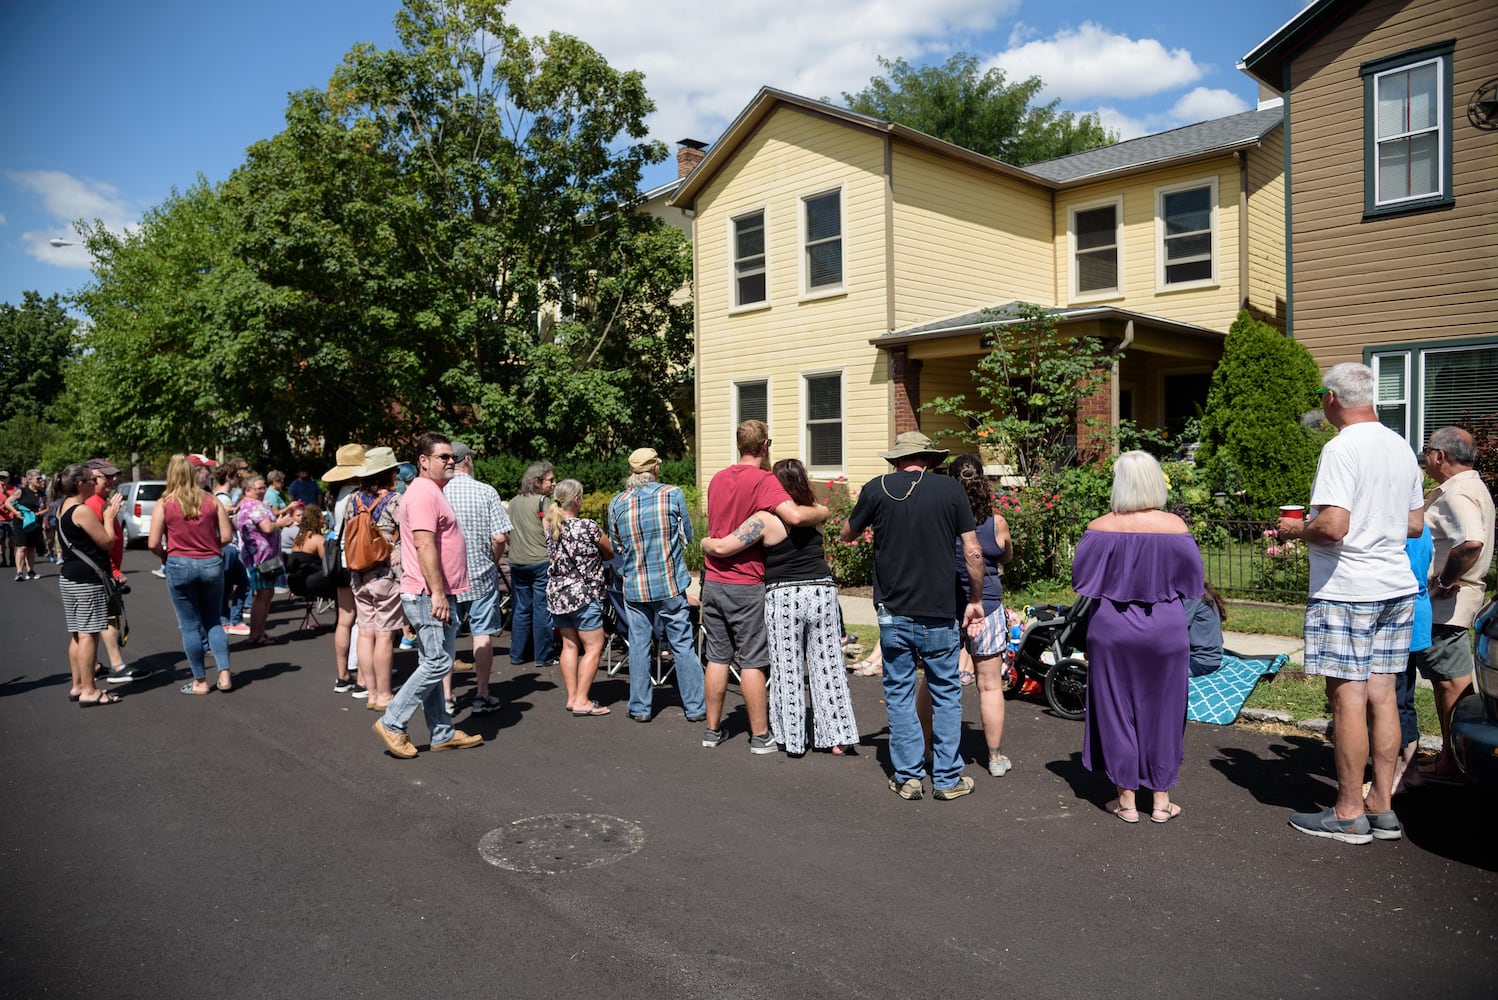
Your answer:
<point x="1305" y="698"/>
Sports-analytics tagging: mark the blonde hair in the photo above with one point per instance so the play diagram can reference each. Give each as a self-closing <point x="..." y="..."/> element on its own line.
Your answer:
<point x="182" y="486"/>
<point x="565" y="494"/>
<point x="1138" y="483"/>
<point x="752" y="436"/>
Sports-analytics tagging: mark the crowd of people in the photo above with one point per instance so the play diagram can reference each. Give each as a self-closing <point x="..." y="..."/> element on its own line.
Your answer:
<point x="408" y="554"/>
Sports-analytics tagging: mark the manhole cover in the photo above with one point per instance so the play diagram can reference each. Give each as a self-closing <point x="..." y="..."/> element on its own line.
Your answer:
<point x="549" y="845"/>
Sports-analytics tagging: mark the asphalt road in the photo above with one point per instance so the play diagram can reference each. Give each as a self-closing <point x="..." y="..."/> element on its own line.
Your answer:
<point x="261" y="844"/>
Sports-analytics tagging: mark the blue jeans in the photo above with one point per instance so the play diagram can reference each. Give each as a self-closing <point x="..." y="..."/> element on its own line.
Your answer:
<point x="675" y="618"/>
<point x="435" y="642"/>
<point x="236" y="588"/>
<point x="196" y="587"/>
<point x="936" y="641"/>
<point x="530" y="632"/>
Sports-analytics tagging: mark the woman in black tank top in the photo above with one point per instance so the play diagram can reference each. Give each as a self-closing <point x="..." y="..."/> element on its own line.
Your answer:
<point x="85" y="545"/>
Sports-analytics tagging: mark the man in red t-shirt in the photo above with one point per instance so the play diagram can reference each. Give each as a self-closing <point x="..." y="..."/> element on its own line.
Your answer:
<point x="733" y="591"/>
<point x="7" y="532"/>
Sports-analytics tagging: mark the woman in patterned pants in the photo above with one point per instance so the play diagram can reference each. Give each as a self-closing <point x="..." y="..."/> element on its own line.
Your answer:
<point x="801" y="619"/>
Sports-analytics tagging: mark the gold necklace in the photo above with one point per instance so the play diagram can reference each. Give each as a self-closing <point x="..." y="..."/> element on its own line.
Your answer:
<point x="907" y="492"/>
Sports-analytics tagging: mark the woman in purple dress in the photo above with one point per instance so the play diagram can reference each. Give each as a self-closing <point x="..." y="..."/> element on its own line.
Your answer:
<point x="1138" y="562"/>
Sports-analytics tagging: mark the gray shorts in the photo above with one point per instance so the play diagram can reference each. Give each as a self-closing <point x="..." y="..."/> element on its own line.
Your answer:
<point x="734" y="616"/>
<point x="1449" y="655"/>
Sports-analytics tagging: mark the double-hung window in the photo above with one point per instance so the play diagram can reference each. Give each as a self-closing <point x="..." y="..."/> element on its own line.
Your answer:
<point x="751" y="402"/>
<point x="1407" y="130"/>
<point x="749" y="286"/>
<point x="1095" y="235"/>
<point x="1424" y="387"/>
<point x="822" y="229"/>
<point x="823" y="406"/>
<point x="1186" y="234"/>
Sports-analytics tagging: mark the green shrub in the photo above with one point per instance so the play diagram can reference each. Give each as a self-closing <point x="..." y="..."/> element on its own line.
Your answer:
<point x="1253" y="444"/>
<point x="600" y="475"/>
<point x="852" y="563"/>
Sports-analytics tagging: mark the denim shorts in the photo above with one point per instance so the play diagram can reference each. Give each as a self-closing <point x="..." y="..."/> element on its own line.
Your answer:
<point x="480" y="612"/>
<point x="588" y="618"/>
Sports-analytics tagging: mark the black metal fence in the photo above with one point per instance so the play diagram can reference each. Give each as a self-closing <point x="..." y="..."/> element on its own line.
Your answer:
<point x="1247" y="559"/>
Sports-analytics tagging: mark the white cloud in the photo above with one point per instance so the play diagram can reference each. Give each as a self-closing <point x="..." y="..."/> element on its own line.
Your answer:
<point x="1091" y="62"/>
<point x="702" y="67"/>
<point x="1126" y="127"/>
<point x="1205" y="103"/>
<point x="66" y="199"/>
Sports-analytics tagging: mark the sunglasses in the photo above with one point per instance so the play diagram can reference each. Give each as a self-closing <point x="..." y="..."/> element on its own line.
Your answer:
<point x="449" y="457"/>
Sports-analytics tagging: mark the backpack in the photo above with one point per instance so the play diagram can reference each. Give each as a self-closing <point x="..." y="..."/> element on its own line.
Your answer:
<point x="364" y="545"/>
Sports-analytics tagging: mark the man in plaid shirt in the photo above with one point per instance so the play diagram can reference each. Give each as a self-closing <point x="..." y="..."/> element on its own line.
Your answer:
<point x="649" y="528"/>
<point x="486" y="529"/>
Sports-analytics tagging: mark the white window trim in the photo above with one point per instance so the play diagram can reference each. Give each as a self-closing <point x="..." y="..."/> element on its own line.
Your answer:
<point x="808" y="293"/>
<point x="733" y="261"/>
<point x="1442" y="123"/>
<point x="1100" y="294"/>
<point x="1403" y="358"/>
<point x="824" y="471"/>
<point x="1215" y="228"/>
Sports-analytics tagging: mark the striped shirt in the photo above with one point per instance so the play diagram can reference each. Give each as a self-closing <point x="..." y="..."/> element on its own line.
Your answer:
<point x="481" y="516"/>
<point x="650" y="529"/>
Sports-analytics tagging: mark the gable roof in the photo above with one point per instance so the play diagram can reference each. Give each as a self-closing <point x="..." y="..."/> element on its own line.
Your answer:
<point x="1001" y="315"/>
<point x="1266" y="63"/>
<point x="1221" y="135"/>
<point x="1202" y="139"/>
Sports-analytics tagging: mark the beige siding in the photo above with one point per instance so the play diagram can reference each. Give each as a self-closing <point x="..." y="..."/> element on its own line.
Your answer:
<point x="1213" y="307"/>
<point x="793" y="155"/>
<point x="965" y="240"/>
<point x="1266" y="228"/>
<point x="1416" y="277"/>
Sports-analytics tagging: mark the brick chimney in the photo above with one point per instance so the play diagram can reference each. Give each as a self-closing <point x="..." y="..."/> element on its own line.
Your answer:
<point x="690" y="153"/>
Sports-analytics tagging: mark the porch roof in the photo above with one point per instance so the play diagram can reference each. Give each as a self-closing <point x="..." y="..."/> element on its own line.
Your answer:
<point x="968" y="324"/>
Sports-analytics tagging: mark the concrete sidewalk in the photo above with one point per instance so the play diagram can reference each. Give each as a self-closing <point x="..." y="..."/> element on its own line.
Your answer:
<point x="860" y="611"/>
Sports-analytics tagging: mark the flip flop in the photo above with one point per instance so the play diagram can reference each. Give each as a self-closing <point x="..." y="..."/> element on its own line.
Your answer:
<point x="1170" y="812"/>
<point x="105" y="698"/>
<point x="594" y="709"/>
<point x="188" y="689"/>
<point x="1129" y="815"/>
<point x="73" y="695"/>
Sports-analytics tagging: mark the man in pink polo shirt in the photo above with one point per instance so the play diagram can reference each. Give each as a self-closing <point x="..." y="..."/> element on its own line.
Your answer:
<point x="733" y="591"/>
<point x="434" y="566"/>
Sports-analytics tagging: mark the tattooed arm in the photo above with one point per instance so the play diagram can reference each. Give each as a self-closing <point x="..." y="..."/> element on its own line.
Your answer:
<point x="761" y="527"/>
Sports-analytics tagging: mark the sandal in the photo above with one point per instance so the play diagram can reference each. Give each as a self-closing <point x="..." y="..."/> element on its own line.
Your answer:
<point x="593" y="709"/>
<point x="189" y="688"/>
<point x="104" y="698"/>
<point x="966" y="677"/>
<point x="73" y="695"/>
<point x="867" y="668"/>
<point x="842" y="750"/>
<point x="1170" y="812"/>
<point x="226" y="688"/>
<point x="1129" y="814"/>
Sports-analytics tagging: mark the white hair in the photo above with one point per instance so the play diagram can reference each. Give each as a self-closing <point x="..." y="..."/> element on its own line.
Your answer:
<point x="1352" y="383"/>
<point x="1138" y="483"/>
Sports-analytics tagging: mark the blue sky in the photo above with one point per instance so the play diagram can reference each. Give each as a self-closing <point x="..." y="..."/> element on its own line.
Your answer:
<point x="110" y="106"/>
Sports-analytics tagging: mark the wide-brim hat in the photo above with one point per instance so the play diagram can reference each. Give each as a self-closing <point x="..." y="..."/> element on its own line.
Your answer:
<point x="349" y="459"/>
<point x="912" y="443"/>
<point x="376" y="461"/>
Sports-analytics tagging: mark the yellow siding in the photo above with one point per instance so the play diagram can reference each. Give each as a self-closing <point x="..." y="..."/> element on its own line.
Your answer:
<point x="1266" y="228"/>
<point x="1420" y="276"/>
<point x="965" y="240"/>
<point x="1211" y="307"/>
<point x="792" y="155"/>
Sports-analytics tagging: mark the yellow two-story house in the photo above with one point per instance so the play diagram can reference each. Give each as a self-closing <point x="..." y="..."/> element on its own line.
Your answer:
<point x="843" y="264"/>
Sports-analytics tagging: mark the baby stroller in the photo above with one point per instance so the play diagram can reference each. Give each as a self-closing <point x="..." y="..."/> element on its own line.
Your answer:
<point x="1051" y="653"/>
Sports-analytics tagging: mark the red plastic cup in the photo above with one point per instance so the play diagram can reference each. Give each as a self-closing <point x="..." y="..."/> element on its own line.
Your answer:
<point x="1294" y="511"/>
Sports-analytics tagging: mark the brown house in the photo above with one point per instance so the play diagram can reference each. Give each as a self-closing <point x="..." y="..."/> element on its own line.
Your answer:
<point x="1391" y="190"/>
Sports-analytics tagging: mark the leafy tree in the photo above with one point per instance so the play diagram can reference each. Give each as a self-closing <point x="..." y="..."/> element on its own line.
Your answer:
<point x="1254" y="443"/>
<point x="1030" y="384"/>
<point x="36" y="340"/>
<point x="982" y="112"/>
<point x="443" y="238"/>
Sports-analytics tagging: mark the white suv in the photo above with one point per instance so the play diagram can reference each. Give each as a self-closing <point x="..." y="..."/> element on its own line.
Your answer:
<point x="140" y="503"/>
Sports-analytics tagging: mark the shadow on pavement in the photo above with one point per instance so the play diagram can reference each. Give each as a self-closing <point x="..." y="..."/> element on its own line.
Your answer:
<point x="1298" y="775"/>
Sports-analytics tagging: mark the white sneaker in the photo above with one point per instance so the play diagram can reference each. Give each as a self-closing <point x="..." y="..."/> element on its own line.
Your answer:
<point x="159" y="571"/>
<point x="999" y="765"/>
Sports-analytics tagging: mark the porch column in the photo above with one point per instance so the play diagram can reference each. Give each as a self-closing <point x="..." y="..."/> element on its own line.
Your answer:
<point x="905" y="378"/>
<point x="1095" y="444"/>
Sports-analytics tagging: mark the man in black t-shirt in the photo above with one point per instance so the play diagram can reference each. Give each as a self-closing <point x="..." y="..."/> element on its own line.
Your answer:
<point x="916" y="514"/>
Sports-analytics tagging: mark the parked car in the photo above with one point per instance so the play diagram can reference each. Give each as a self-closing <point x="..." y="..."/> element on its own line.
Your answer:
<point x="140" y="503"/>
<point x="1474" y="721"/>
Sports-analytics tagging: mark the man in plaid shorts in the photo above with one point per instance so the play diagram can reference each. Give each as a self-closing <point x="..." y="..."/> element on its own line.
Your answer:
<point x="1365" y="501"/>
